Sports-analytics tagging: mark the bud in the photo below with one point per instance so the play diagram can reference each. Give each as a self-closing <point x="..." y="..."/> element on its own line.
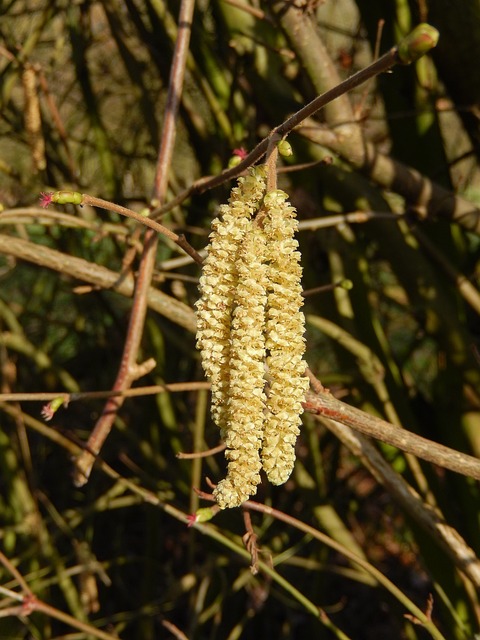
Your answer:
<point x="419" y="42"/>
<point x="285" y="148"/>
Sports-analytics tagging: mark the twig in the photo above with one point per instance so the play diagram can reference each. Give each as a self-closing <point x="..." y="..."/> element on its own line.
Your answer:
<point x="271" y="161"/>
<point x="30" y="603"/>
<point x="125" y="374"/>
<point x="180" y="240"/>
<point x="326" y="405"/>
<point x="383" y="64"/>
<point x="201" y="454"/>
<point x="333" y="544"/>
<point x="100" y="276"/>
<point x="174" y="630"/>
<point x="16" y="574"/>
<point x="95" y="395"/>
<point x="249" y="539"/>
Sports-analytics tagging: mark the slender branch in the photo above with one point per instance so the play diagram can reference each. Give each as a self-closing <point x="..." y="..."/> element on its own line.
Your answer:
<point x="174" y="630"/>
<point x="383" y="64"/>
<point x="16" y="574"/>
<point x="174" y="387"/>
<point x="180" y="240"/>
<point x="271" y="162"/>
<point x="326" y="405"/>
<point x="202" y="454"/>
<point x="125" y="375"/>
<point x="97" y="275"/>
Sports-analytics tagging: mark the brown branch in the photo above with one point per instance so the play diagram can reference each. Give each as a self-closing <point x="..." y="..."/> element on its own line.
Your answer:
<point x="174" y="387"/>
<point x="180" y="240"/>
<point x="383" y="64"/>
<point x="125" y="375"/>
<point x="97" y="275"/>
<point x="201" y="454"/>
<point x="326" y="405"/>
<point x="126" y="372"/>
<point x="249" y="539"/>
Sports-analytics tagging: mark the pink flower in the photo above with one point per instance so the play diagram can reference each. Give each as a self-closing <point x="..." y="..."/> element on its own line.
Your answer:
<point x="46" y="199"/>
<point x="241" y="153"/>
<point x="47" y="412"/>
<point x="191" y="519"/>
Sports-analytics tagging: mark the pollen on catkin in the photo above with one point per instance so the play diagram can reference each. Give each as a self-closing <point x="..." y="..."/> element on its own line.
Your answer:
<point x="285" y="342"/>
<point x="250" y="333"/>
<point x="246" y="395"/>
<point x="218" y="285"/>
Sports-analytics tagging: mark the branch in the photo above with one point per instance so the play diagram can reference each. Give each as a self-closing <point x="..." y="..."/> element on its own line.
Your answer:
<point x="324" y="404"/>
<point x="383" y="64"/>
<point x="126" y="372"/>
<point x="97" y="275"/>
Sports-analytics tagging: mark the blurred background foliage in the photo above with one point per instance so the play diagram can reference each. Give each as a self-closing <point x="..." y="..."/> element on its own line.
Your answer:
<point x="82" y="93"/>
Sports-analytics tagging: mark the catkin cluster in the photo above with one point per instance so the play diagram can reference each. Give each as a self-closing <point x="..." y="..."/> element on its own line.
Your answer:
<point x="250" y="334"/>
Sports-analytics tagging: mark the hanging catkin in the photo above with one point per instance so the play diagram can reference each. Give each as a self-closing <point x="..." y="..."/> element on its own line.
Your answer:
<point x="246" y="395"/>
<point x="285" y="341"/>
<point x="218" y="284"/>
<point x="250" y="333"/>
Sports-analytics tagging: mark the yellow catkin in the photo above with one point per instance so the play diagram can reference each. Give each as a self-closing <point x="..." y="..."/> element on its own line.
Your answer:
<point x="251" y="336"/>
<point x="218" y="284"/>
<point x="33" y="118"/>
<point x="246" y="395"/>
<point x="285" y="342"/>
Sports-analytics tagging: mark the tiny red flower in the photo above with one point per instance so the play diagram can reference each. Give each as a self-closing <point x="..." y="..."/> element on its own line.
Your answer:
<point x="46" y="199"/>
<point x="241" y="153"/>
<point x="191" y="519"/>
<point x="47" y="412"/>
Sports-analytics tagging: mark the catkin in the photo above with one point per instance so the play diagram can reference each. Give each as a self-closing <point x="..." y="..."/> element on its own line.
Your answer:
<point x="218" y="284"/>
<point x="285" y="341"/>
<point x="246" y="395"/>
<point x="250" y="333"/>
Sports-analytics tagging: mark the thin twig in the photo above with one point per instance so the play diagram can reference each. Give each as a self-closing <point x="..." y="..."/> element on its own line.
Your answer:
<point x="125" y="375"/>
<point x="174" y="387"/>
<point x="16" y="574"/>
<point x="174" y="630"/>
<point x="180" y="240"/>
<point x="249" y="539"/>
<point x="201" y="454"/>
<point x="326" y="405"/>
<point x="383" y="64"/>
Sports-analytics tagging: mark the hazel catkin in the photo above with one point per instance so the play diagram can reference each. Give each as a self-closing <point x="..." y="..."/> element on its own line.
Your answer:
<point x="250" y="333"/>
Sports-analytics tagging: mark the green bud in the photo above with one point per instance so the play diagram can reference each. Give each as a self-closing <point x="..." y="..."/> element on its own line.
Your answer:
<point x="205" y="514"/>
<point x="419" y="42"/>
<point x="346" y="284"/>
<point x="67" y="197"/>
<point x="285" y="148"/>
<point x="234" y="161"/>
